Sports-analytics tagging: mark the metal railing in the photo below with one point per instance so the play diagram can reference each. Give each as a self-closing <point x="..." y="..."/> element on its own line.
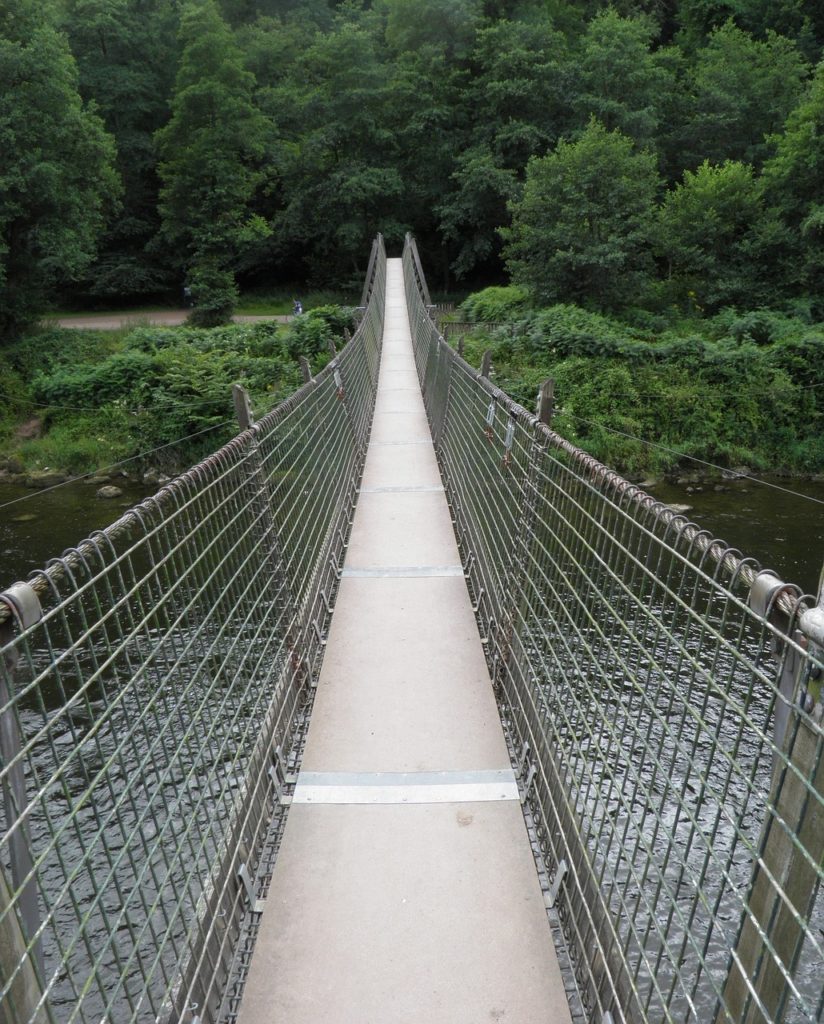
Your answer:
<point x="150" y="679"/>
<point x="662" y="695"/>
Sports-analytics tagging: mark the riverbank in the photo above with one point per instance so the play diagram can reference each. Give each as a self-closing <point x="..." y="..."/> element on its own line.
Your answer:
<point x="146" y="400"/>
<point x="664" y="393"/>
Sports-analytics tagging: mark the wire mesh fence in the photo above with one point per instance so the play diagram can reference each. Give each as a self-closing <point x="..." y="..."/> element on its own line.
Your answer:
<point x="663" y="694"/>
<point x="149" y="681"/>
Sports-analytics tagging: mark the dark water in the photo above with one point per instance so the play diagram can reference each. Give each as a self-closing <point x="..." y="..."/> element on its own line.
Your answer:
<point x="783" y="531"/>
<point x="44" y="523"/>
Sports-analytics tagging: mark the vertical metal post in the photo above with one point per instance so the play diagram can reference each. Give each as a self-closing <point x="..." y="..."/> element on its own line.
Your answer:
<point x="26" y="991"/>
<point x="791" y="849"/>
<point x="370" y="270"/>
<point x="243" y="407"/>
<point x="486" y="363"/>
<point x="17" y="933"/>
<point x="305" y="370"/>
<point x="545" y="406"/>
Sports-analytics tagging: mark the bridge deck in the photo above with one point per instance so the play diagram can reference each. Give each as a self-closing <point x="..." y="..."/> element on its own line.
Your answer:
<point x="405" y="889"/>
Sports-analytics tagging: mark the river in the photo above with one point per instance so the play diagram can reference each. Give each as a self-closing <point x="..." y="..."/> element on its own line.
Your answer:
<point x="783" y="531"/>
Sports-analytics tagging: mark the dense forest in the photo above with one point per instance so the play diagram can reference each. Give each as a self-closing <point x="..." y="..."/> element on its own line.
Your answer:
<point x="629" y="168"/>
<point x="631" y="153"/>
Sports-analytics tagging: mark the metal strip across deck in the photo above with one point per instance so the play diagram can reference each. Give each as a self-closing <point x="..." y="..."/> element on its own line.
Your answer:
<point x="403" y="572"/>
<point x="404" y="489"/>
<point x="405" y="787"/>
<point x="399" y="444"/>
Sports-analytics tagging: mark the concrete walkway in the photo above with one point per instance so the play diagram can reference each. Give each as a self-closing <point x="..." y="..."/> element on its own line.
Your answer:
<point x="405" y="891"/>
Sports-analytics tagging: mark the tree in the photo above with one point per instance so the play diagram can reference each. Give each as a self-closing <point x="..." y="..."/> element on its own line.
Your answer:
<point x="211" y="154"/>
<point x="340" y="178"/>
<point x="743" y="90"/>
<point x="792" y="182"/>
<point x="57" y="181"/>
<point x="126" y="55"/>
<point x="707" y="234"/>
<point x="582" y="229"/>
<point x="447" y="23"/>
<point x="621" y="80"/>
<point x="469" y="215"/>
<point x="515" y="107"/>
<point x="428" y="122"/>
<point x="800" y="20"/>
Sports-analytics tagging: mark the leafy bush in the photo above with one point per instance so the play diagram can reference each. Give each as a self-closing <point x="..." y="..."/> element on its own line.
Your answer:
<point x="495" y="304"/>
<point x="309" y="334"/>
<point x="82" y="443"/>
<point x="565" y="330"/>
<point x="761" y="326"/>
<point x="104" y="396"/>
<point x="214" y="293"/>
<point x="94" y="383"/>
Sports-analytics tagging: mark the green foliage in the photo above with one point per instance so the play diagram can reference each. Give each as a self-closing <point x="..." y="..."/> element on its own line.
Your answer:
<point x="517" y="94"/>
<point x="622" y="81"/>
<point x="270" y="146"/>
<point x="56" y="176"/>
<point x="82" y="443"/>
<point x="211" y="155"/>
<point x="411" y="24"/>
<point x="339" y="173"/>
<point x="495" y="304"/>
<point x="582" y="229"/>
<point x="707" y="234"/>
<point x="747" y="390"/>
<point x="792" y="181"/>
<point x="214" y="294"/>
<point x="567" y="330"/>
<point x="93" y="383"/>
<point x="743" y="90"/>
<point x="105" y="396"/>
<point x="309" y="334"/>
<point x="126" y="56"/>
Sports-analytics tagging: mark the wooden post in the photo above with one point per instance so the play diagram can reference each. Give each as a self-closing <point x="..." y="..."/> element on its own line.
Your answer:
<point x="461" y="342"/>
<point x="305" y="370"/>
<point x="486" y="363"/>
<point x="786" y="874"/>
<point x="331" y="344"/>
<point x="546" y="402"/>
<point x="243" y="408"/>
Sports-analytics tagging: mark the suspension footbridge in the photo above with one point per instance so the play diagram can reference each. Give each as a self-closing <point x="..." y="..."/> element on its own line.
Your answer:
<point x="556" y="757"/>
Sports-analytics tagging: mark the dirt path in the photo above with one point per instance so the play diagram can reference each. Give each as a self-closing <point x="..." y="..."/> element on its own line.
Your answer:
<point x="161" y="317"/>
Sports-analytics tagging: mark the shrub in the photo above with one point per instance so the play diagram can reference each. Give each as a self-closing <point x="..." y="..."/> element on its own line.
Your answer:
<point x="566" y="330"/>
<point x="94" y="384"/>
<point x="495" y="304"/>
<point x="215" y="295"/>
<point x="309" y="334"/>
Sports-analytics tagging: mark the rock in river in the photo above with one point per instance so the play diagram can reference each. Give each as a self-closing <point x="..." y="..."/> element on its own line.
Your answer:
<point x="109" y="491"/>
<point x="45" y="478"/>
